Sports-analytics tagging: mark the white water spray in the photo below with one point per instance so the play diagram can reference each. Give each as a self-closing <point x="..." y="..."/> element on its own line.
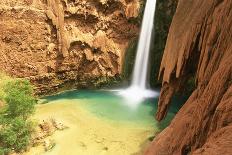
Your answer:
<point x="138" y="90"/>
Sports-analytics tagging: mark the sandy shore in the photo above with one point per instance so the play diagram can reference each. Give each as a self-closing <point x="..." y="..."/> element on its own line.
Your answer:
<point x="90" y="135"/>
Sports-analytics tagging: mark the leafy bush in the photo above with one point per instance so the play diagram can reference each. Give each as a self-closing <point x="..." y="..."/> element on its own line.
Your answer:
<point x="4" y="151"/>
<point x="15" y="135"/>
<point x="19" y="99"/>
<point x="15" y="127"/>
<point x="3" y="80"/>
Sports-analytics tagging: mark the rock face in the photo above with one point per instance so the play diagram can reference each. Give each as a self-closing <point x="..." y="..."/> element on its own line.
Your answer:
<point x="58" y="43"/>
<point x="165" y="10"/>
<point x="199" y="44"/>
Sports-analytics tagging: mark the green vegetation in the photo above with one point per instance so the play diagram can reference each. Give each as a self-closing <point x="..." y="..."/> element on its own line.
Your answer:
<point x="15" y="126"/>
<point x="20" y="99"/>
<point x="107" y="82"/>
<point x="129" y="60"/>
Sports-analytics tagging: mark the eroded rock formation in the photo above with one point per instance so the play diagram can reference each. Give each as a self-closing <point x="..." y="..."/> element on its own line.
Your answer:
<point x="199" y="44"/>
<point x="57" y="43"/>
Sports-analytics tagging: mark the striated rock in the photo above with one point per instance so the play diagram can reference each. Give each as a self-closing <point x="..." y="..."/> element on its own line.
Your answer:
<point x="60" y="43"/>
<point x="199" y="44"/>
<point x="55" y="12"/>
<point x="218" y="143"/>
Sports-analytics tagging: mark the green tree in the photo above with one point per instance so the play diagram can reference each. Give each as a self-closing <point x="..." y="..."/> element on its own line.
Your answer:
<point x="15" y="135"/>
<point x="19" y="98"/>
<point x="15" y="126"/>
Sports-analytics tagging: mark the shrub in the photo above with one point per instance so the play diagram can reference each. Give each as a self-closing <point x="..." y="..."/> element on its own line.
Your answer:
<point x="4" y="151"/>
<point x="15" y="127"/>
<point x="16" y="134"/>
<point x="19" y="98"/>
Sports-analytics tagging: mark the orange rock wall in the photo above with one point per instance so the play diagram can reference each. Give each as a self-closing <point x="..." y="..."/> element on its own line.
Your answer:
<point x="199" y="44"/>
<point x="57" y="43"/>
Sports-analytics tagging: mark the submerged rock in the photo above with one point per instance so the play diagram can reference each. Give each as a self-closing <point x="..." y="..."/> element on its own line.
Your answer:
<point x="44" y="130"/>
<point x="49" y="144"/>
<point x="58" y="125"/>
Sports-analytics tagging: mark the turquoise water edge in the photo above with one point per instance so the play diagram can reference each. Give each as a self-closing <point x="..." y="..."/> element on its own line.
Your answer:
<point x="108" y="105"/>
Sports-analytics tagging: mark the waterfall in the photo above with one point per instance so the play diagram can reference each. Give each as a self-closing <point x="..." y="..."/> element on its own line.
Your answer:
<point x="141" y="64"/>
<point x="138" y="89"/>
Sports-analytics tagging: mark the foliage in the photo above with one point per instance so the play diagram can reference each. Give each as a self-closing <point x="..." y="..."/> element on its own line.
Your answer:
<point x="129" y="60"/>
<point x="108" y="82"/>
<point x="19" y="99"/>
<point x="15" y="127"/>
<point x="4" y="151"/>
<point x="16" y="134"/>
<point x="3" y="80"/>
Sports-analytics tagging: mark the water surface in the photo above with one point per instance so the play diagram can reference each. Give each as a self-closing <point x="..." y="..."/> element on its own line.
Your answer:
<point x="100" y="122"/>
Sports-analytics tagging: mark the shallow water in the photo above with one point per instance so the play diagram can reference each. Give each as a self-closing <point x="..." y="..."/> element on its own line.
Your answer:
<point x="100" y="122"/>
<point x="109" y="106"/>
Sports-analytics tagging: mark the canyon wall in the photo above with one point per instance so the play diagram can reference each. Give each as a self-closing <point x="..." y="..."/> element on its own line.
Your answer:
<point x="165" y="10"/>
<point x="199" y="44"/>
<point x="65" y="43"/>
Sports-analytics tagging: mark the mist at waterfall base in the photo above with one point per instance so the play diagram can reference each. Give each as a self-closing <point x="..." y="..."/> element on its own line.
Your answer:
<point x="138" y="90"/>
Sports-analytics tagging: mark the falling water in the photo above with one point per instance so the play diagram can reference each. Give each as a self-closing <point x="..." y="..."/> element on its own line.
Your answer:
<point x="142" y="57"/>
<point x="138" y="90"/>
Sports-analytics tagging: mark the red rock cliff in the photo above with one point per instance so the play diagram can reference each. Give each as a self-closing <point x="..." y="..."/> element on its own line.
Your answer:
<point x="199" y="44"/>
<point x="57" y="43"/>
